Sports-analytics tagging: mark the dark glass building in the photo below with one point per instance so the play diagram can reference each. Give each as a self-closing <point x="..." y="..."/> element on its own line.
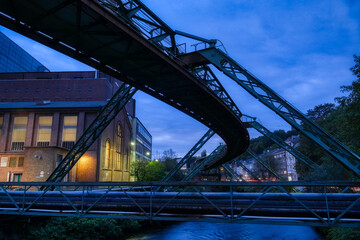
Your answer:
<point x="15" y="59"/>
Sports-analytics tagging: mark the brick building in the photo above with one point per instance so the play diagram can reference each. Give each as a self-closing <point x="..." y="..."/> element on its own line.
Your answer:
<point x="42" y="115"/>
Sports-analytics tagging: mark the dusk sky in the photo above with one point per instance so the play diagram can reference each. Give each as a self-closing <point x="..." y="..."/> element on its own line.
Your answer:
<point x="301" y="49"/>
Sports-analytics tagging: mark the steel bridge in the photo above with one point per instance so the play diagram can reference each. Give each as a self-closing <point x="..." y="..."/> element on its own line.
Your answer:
<point x="323" y="204"/>
<point x="126" y="40"/>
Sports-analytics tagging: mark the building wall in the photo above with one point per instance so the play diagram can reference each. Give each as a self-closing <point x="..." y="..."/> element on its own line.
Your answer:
<point x="74" y="89"/>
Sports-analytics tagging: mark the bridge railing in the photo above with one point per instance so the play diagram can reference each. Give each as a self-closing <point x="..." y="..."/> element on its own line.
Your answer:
<point x="303" y="203"/>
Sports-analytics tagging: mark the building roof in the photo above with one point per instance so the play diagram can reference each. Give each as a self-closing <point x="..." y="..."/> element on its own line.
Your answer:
<point x="50" y="105"/>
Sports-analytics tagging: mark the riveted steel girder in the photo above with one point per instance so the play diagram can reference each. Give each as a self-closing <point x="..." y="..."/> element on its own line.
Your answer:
<point x="280" y="106"/>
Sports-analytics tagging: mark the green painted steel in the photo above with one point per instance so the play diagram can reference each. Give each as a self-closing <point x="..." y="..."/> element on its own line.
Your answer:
<point x="263" y="130"/>
<point x="279" y="105"/>
<point x="189" y="155"/>
<point x="252" y="173"/>
<point x="266" y="202"/>
<point x="258" y="159"/>
<point x="232" y="173"/>
<point x="216" y="154"/>
<point x="102" y="120"/>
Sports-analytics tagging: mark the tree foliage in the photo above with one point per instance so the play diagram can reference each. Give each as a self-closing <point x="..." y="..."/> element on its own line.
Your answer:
<point x="82" y="228"/>
<point x="343" y="122"/>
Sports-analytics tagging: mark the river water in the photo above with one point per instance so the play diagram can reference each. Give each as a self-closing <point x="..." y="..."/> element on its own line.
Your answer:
<point x="228" y="231"/>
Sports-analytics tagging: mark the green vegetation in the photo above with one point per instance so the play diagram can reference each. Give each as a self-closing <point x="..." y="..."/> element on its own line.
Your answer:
<point x="342" y="121"/>
<point x="82" y="228"/>
<point x="157" y="169"/>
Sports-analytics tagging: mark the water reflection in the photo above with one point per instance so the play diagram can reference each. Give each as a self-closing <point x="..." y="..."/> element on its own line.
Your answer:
<point x="229" y="231"/>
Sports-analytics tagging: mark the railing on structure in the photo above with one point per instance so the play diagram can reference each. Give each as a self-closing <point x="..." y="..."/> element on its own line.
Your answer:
<point x="315" y="203"/>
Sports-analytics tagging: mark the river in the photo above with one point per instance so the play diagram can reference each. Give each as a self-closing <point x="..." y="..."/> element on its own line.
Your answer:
<point x="228" y="231"/>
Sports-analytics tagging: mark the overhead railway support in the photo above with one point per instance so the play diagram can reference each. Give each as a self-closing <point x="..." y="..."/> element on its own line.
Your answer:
<point x="127" y="40"/>
<point x="110" y="38"/>
<point x="279" y="105"/>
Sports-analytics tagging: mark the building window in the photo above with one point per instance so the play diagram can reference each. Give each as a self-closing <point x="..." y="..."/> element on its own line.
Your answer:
<point x="1" y="125"/>
<point x="19" y="134"/>
<point x="12" y="162"/>
<point x="21" y="162"/>
<point x="17" y="177"/>
<point x="118" y="148"/>
<point x="69" y="89"/>
<point x="107" y="154"/>
<point x="26" y="89"/>
<point x="69" y="131"/>
<point x="37" y="90"/>
<point x="44" y="131"/>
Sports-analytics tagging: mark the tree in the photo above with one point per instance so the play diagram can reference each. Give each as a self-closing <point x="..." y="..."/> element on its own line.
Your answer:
<point x="154" y="171"/>
<point x="168" y="154"/>
<point x="342" y="121"/>
<point x="138" y="169"/>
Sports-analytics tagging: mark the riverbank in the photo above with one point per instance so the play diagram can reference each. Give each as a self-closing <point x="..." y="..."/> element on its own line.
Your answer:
<point x="43" y="228"/>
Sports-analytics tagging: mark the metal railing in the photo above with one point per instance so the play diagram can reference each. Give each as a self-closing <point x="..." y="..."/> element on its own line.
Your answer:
<point x="311" y="203"/>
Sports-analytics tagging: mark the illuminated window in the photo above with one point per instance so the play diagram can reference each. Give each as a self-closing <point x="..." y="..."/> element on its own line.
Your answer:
<point x="44" y="131"/>
<point x="107" y="154"/>
<point x="69" y="131"/>
<point x="118" y="148"/>
<point x="19" y="133"/>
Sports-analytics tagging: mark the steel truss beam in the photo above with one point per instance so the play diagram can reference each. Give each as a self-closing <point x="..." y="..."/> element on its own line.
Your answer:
<point x="232" y="173"/>
<point x="280" y="106"/>
<point x="263" y="130"/>
<point x="208" y="77"/>
<point x="140" y="17"/>
<point x="189" y="155"/>
<point x="258" y="159"/>
<point x="269" y="202"/>
<point x="216" y="154"/>
<point x="102" y="120"/>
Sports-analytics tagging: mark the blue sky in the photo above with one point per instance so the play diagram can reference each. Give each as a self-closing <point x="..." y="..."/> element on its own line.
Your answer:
<point x="301" y="49"/>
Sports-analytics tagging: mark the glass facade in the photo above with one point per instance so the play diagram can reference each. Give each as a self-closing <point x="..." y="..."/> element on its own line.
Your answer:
<point x="15" y="59"/>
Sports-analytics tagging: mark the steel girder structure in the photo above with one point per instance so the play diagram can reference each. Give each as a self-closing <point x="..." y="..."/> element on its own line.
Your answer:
<point x="263" y="130"/>
<point x="216" y="154"/>
<point x="127" y="41"/>
<point x="258" y="159"/>
<point x="232" y="173"/>
<point x="189" y="155"/>
<point x="280" y="106"/>
<point x="209" y="78"/>
<point x="272" y="203"/>
<point x="102" y="120"/>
